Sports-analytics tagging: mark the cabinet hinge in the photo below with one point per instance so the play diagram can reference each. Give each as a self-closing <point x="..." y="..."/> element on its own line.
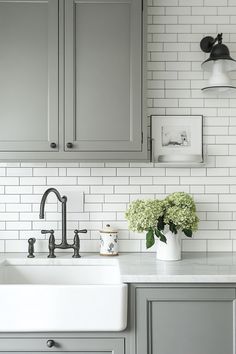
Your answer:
<point x="141" y="137"/>
<point x="150" y="148"/>
<point x="149" y="144"/>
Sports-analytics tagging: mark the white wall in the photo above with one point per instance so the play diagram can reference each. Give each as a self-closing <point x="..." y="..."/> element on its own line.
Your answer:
<point x="174" y="81"/>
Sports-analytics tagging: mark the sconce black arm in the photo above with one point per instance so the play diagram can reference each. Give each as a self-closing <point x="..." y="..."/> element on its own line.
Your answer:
<point x="208" y="42"/>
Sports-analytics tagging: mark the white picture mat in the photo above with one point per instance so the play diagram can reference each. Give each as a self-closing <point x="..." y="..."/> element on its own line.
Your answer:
<point x="181" y="134"/>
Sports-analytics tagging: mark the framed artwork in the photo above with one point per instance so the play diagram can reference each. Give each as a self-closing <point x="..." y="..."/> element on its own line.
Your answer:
<point x="177" y="138"/>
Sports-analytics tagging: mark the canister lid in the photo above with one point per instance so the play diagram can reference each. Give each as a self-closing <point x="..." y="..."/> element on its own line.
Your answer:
<point x="108" y="229"/>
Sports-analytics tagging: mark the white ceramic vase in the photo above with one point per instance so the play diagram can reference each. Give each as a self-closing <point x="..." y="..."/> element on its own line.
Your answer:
<point x="171" y="250"/>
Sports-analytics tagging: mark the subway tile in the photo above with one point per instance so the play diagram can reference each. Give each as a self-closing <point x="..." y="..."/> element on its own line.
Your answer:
<point x="140" y="180"/>
<point x="219" y="216"/>
<point x="117" y="198"/>
<point x="32" y="181"/>
<point x="92" y="207"/>
<point x="227" y="207"/>
<point x="18" y="189"/>
<point x="220" y="189"/>
<point x="219" y="245"/>
<point x="165" y="19"/>
<point x="114" y="207"/>
<point x="94" y="198"/>
<point x="18" y="225"/>
<point x="101" y="189"/>
<point x="166" y="180"/>
<point x="9" y="199"/>
<point x="9" y="235"/>
<point x="194" y="245"/>
<point x="172" y="189"/>
<point x="9" y="181"/>
<point x="49" y="171"/>
<point x="108" y="171"/>
<point x="103" y="216"/>
<point x="62" y="180"/>
<point x="128" y="171"/>
<point x="116" y="180"/>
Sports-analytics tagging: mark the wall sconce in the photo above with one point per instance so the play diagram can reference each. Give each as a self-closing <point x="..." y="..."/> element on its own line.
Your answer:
<point x="219" y="64"/>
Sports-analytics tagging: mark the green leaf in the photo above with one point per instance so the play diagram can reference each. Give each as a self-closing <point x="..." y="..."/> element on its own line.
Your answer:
<point x="160" y="235"/>
<point x="188" y="233"/>
<point x="160" y="223"/>
<point x="150" y="238"/>
<point x="173" y="228"/>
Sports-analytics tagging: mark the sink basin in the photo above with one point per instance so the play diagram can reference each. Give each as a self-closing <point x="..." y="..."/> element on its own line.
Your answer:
<point x="61" y="295"/>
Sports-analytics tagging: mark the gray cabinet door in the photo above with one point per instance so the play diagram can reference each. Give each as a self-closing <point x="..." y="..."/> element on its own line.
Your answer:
<point x="64" y="344"/>
<point x="185" y="321"/>
<point x="103" y="71"/>
<point x="28" y="75"/>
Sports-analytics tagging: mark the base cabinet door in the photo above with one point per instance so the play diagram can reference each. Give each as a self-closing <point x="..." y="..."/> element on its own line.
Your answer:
<point x="185" y="320"/>
<point x="63" y="345"/>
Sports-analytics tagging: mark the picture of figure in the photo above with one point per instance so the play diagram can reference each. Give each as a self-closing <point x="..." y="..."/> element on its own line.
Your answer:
<point x="175" y="136"/>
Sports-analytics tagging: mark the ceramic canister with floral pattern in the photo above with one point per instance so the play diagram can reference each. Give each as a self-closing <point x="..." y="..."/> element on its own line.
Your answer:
<point x="108" y="241"/>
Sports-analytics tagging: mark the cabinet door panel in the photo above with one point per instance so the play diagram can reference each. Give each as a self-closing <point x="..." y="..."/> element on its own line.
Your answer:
<point x="183" y="321"/>
<point x="29" y="75"/>
<point x="103" y="67"/>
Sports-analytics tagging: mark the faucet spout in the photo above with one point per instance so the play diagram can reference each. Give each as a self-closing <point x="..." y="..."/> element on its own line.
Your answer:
<point x="44" y="198"/>
<point x="63" y="201"/>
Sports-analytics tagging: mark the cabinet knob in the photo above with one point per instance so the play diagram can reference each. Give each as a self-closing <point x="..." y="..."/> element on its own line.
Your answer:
<point x="69" y="145"/>
<point x="50" y="343"/>
<point x="53" y="145"/>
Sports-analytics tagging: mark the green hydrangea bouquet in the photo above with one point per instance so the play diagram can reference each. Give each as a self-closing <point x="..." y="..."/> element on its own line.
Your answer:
<point x="177" y="211"/>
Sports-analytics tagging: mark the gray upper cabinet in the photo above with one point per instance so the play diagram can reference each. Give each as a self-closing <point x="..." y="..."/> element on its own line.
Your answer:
<point x="72" y="80"/>
<point x="103" y="75"/>
<point x="185" y="320"/>
<point x="29" y="75"/>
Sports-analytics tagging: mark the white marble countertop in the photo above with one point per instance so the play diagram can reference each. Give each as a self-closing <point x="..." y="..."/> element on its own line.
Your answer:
<point x="144" y="268"/>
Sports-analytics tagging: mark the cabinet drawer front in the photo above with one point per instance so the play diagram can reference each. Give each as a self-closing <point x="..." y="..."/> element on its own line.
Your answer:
<point x="75" y="345"/>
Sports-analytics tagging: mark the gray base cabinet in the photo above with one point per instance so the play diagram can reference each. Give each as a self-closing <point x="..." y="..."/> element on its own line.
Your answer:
<point x="162" y="319"/>
<point x="185" y="320"/>
<point x="63" y="345"/>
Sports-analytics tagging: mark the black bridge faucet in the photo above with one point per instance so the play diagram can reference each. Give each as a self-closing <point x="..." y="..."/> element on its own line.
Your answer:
<point x="64" y="244"/>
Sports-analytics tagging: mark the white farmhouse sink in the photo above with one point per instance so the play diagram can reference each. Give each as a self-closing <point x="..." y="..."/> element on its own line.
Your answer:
<point x="61" y="295"/>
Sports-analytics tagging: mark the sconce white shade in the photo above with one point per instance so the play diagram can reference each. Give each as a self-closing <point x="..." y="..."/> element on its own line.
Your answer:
<point x="219" y="80"/>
